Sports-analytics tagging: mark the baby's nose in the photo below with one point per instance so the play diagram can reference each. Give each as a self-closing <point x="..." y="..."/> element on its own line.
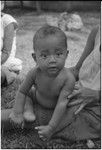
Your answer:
<point x="52" y="59"/>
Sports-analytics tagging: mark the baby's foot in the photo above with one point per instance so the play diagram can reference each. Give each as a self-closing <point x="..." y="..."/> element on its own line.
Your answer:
<point x="90" y="144"/>
<point x="29" y="116"/>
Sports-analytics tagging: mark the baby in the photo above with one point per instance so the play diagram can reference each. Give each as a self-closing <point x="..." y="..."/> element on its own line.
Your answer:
<point x="51" y="80"/>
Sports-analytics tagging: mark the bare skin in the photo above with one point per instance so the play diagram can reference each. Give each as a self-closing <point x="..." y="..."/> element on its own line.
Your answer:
<point x="52" y="81"/>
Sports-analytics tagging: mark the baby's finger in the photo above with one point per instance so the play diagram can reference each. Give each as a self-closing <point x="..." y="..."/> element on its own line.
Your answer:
<point x="79" y="109"/>
<point x="41" y="136"/>
<point x="44" y="139"/>
<point x="39" y="127"/>
<point x="40" y="132"/>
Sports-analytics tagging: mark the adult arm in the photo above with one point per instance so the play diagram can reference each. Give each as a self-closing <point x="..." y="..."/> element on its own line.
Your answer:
<point x="88" y="48"/>
<point x="7" y="42"/>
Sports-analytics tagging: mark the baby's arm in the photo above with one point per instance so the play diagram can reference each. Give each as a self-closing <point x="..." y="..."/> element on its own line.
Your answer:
<point x="62" y="101"/>
<point x="18" y="108"/>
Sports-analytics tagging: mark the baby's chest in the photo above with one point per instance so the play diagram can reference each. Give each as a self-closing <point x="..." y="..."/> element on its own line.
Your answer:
<point x="49" y="88"/>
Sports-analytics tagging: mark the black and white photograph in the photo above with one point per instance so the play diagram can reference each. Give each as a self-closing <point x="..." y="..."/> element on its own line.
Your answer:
<point x="50" y="74"/>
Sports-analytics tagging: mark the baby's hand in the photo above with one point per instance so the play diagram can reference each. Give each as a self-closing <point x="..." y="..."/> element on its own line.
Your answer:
<point x="17" y="119"/>
<point x="45" y="132"/>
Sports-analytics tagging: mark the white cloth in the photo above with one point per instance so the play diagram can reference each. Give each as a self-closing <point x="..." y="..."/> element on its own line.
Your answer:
<point x="6" y="19"/>
<point x="89" y="75"/>
<point x="11" y="63"/>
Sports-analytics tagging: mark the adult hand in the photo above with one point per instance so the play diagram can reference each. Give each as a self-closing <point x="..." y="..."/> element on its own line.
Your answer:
<point x="75" y="72"/>
<point x="17" y="119"/>
<point x="45" y="132"/>
<point x="84" y="96"/>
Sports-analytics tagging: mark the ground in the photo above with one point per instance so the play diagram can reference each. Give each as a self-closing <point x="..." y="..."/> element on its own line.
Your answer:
<point x="29" y="22"/>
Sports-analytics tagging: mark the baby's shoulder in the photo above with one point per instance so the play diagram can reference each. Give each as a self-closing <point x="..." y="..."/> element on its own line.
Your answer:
<point x="67" y="73"/>
<point x="65" y="78"/>
<point x="64" y="75"/>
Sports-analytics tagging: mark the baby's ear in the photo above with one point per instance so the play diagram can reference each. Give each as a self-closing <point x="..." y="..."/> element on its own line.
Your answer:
<point x="34" y="56"/>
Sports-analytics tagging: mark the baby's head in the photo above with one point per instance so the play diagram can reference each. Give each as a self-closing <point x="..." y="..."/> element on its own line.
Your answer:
<point x="50" y="47"/>
<point x="48" y="31"/>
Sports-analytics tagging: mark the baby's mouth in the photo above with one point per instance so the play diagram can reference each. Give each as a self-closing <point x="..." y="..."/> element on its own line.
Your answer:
<point x="53" y="68"/>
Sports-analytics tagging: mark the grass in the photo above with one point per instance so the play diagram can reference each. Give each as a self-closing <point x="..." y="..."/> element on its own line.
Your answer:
<point x="29" y="22"/>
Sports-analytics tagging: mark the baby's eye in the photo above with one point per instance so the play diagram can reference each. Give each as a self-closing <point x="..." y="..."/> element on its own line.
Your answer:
<point x="43" y="55"/>
<point x="59" y="54"/>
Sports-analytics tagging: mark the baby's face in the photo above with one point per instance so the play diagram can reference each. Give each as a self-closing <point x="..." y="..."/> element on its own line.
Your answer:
<point x="51" y="54"/>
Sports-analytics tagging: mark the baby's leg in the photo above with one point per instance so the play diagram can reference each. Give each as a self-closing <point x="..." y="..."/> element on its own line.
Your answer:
<point x="29" y="115"/>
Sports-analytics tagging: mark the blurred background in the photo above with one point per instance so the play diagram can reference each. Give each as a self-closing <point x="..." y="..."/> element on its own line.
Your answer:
<point x="56" y="5"/>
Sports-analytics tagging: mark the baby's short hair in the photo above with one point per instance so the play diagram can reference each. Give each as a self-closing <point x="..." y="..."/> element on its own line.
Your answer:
<point x="47" y="30"/>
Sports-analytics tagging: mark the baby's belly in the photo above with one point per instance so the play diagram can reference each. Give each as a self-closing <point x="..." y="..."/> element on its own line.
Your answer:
<point x="46" y="101"/>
